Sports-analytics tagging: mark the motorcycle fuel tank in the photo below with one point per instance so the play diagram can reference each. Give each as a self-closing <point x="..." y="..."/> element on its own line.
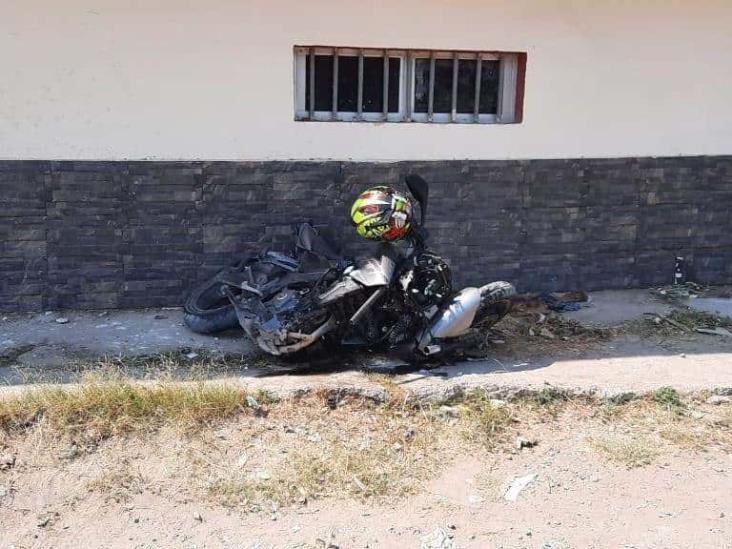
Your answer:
<point x="457" y="316"/>
<point x="374" y="271"/>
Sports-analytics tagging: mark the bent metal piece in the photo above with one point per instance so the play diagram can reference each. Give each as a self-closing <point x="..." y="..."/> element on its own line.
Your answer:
<point x="305" y="340"/>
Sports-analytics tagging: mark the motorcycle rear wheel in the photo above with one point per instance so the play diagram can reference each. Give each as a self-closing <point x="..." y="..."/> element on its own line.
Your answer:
<point x="495" y="303"/>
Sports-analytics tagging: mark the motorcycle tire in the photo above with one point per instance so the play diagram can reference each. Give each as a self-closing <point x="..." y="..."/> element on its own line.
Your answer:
<point x="495" y="303"/>
<point x="212" y="323"/>
<point x="207" y="310"/>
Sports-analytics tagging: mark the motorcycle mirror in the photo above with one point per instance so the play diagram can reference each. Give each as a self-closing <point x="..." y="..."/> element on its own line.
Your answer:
<point x="421" y="191"/>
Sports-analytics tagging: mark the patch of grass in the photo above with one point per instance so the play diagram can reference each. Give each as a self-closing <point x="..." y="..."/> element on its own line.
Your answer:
<point x="251" y="495"/>
<point x="669" y="399"/>
<point x="611" y="410"/>
<point x="171" y="365"/>
<point x="118" y="485"/>
<point x="631" y="451"/>
<point x="659" y="424"/>
<point x="394" y="392"/>
<point x="483" y="422"/>
<point x="107" y="408"/>
<point x="550" y="396"/>
<point x="360" y="450"/>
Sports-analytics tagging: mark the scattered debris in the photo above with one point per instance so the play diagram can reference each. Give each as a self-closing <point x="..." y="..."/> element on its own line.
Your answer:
<point x="522" y="442"/>
<point x="715" y="331"/>
<point x="46" y="519"/>
<point x="320" y="543"/>
<point x="438" y="539"/>
<point x="70" y="453"/>
<point x="679" y="292"/>
<point x="475" y="500"/>
<point x="551" y="328"/>
<point x="261" y="474"/>
<point x="62" y="320"/>
<point x="546" y="334"/>
<point x="688" y="320"/>
<point x="564" y="302"/>
<point x="518" y="485"/>
<point x="191" y="356"/>
<point x="197" y="516"/>
<point x="7" y="460"/>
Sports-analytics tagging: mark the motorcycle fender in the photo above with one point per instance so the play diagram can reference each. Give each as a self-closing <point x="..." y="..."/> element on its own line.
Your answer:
<point x="457" y="316"/>
<point x="344" y="286"/>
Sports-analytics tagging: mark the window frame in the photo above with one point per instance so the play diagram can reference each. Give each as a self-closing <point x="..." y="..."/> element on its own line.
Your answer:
<point x="508" y="89"/>
<point x="304" y="112"/>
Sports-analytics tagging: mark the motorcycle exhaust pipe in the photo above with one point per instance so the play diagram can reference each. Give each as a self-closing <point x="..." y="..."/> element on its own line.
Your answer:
<point x="306" y="339"/>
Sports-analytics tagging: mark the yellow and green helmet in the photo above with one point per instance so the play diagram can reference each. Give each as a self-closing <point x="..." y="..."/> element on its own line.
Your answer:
<point x="381" y="213"/>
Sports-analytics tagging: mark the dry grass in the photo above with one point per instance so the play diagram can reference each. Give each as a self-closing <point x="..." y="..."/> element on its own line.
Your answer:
<point x="180" y="365"/>
<point x="118" y="485"/>
<point x="636" y="433"/>
<point x="107" y="408"/>
<point x="330" y="445"/>
<point x="629" y="450"/>
<point x="358" y="450"/>
<point x="483" y="422"/>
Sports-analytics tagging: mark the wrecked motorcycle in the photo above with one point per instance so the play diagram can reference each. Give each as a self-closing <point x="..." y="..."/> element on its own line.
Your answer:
<point x="400" y="300"/>
<point x="207" y="308"/>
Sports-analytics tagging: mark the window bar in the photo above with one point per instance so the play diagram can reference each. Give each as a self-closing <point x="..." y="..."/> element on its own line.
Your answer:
<point x="359" y="101"/>
<point x="453" y="111"/>
<point x="409" y="83"/>
<point x="478" y="68"/>
<point x="386" y="85"/>
<point x="311" y="106"/>
<point x="507" y="90"/>
<point x="334" y="113"/>
<point x="431" y="97"/>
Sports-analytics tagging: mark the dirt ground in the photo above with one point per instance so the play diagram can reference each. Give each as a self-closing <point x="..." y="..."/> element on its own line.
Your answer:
<point x="358" y="451"/>
<point x="636" y="475"/>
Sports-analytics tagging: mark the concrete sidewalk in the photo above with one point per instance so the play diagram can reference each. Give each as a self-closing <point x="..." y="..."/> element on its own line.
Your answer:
<point x="626" y="364"/>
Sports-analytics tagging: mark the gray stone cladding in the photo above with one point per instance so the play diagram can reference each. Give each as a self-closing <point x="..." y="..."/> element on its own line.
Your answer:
<point x="87" y="235"/>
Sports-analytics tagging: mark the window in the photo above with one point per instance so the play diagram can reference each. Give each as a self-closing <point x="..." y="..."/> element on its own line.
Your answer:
<point x="347" y="84"/>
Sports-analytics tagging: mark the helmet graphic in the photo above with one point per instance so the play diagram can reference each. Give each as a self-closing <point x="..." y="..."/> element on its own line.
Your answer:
<point x="381" y="213"/>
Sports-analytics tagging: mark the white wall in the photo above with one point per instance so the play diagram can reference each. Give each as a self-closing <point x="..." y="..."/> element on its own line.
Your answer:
<point x="212" y="79"/>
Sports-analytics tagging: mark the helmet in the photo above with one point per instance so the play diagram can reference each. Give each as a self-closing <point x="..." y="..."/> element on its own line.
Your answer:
<point x="381" y="213"/>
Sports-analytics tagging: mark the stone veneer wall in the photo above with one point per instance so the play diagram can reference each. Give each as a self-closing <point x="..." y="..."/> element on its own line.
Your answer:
<point x="80" y="234"/>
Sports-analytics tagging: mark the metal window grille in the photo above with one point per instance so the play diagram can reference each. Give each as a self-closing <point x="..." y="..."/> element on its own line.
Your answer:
<point x="492" y="77"/>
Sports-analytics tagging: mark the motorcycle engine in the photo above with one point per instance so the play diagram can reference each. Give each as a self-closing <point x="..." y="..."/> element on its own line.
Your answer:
<point x="429" y="282"/>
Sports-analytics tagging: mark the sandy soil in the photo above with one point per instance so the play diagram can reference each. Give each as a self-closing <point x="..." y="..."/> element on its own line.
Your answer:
<point x="142" y="493"/>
